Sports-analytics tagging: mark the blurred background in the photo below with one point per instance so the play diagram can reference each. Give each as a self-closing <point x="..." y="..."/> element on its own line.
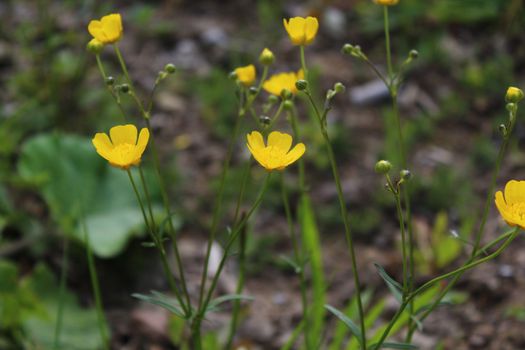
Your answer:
<point x="53" y="100"/>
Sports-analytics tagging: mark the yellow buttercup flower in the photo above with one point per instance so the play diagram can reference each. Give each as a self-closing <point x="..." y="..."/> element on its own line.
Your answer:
<point x="511" y="206"/>
<point x="108" y="30"/>
<point x="386" y="2"/>
<point x="246" y="75"/>
<point x="123" y="150"/>
<point x="277" y="155"/>
<point x="301" y="30"/>
<point x="283" y="81"/>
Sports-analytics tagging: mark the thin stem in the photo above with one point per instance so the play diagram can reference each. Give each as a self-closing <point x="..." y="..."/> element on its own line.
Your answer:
<point x="387" y="43"/>
<point x="231" y="239"/>
<point x="427" y="285"/>
<point x="217" y="207"/>
<point x="160" y="247"/>
<point x="110" y="90"/>
<point x="240" y="197"/>
<point x="102" y="323"/>
<point x="240" y="285"/>
<point x="344" y="214"/>
<point x="299" y="260"/>
<point x="303" y="63"/>
<point x="395" y="192"/>
<point x="61" y="294"/>
<point x="148" y="199"/>
<point x="481" y="229"/>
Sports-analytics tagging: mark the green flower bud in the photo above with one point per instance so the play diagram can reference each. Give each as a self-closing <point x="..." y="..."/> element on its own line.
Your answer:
<point x="170" y="68"/>
<point x="95" y="46"/>
<point x="264" y="119"/>
<point x="286" y="94"/>
<point x="232" y="76"/>
<point x="288" y="105"/>
<point x="124" y="88"/>
<point x="383" y="167"/>
<point x="503" y="130"/>
<point x="266" y="57"/>
<point x="110" y="81"/>
<point x="413" y="54"/>
<point x="273" y="99"/>
<point x="301" y="84"/>
<point x="339" y="87"/>
<point x="347" y="49"/>
<point x="514" y="95"/>
<point x="405" y="174"/>
<point x="253" y="90"/>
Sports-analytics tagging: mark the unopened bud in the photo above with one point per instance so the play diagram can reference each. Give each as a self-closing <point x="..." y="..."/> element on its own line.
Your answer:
<point x="95" y="46"/>
<point x="110" y="81"/>
<point x="288" y="105"/>
<point x="339" y="87"/>
<point x="232" y="76"/>
<point x="124" y="88"/>
<point x="514" y="95"/>
<point x="253" y="90"/>
<point x="405" y="174"/>
<point x="286" y="94"/>
<point x="413" y="54"/>
<point x="347" y="49"/>
<point x="170" y="68"/>
<point x="383" y="167"/>
<point x="502" y="129"/>
<point x="301" y="84"/>
<point x="330" y="94"/>
<point x="273" y="99"/>
<point x="266" y="57"/>
<point x="264" y="119"/>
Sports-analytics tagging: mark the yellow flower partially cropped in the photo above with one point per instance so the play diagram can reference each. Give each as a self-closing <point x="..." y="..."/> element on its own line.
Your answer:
<point x="277" y="154"/>
<point x="511" y="205"/>
<point x="123" y="150"/>
<point x="108" y="30"/>
<point x="302" y="31"/>
<point x="283" y="81"/>
<point x="246" y="75"/>
<point x="386" y="2"/>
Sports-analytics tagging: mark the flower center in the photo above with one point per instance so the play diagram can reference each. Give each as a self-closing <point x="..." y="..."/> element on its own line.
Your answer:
<point x="518" y="209"/>
<point x="124" y="152"/>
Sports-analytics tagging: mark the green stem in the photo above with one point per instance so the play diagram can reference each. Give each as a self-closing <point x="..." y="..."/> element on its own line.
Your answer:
<point x="399" y="209"/>
<point x="61" y="295"/>
<point x="344" y="214"/>
<point x="218" y="206"/>
<point x="299" y="260"/>
<point x="148" y="199"/>
<point x="240" y="197"/>
<point x="231" y="239"/>
<point x="160" y="247"/>
<point x="481" y="229"/>
<point x="240" y="285"/>
<point x="427" y="285"/>
<point x="303" y="63"/>
<point x="387" y="42"/>
<point x="101" y="319"/>
<point x="109" y="88"/>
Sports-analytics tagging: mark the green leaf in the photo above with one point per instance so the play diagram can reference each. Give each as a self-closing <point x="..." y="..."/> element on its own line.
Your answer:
<point x="393" y="345"/>
<point x="75" y="181"/>
<point x="80" y="330"/>
<point x="164" y="301"/>
<point x="391" y="283"/>
<point x="346" y="320"/>
<point x="214" y="304"/>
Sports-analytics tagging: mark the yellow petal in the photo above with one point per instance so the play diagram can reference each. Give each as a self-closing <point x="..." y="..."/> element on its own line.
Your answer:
<point x="96" y="30"/>
<point x="123" y="134"/>
<point x="295" y="154"/>
<point x="260" y="155"/>
<point x="515" y="191"/>
<point x="142" y="141"/>
<point x="255" y="140"/>
<point x="103" y="145"/>
<point x="296" y="30"/>
<point x="280" y="140"/>
<point x="311" y="27"/>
